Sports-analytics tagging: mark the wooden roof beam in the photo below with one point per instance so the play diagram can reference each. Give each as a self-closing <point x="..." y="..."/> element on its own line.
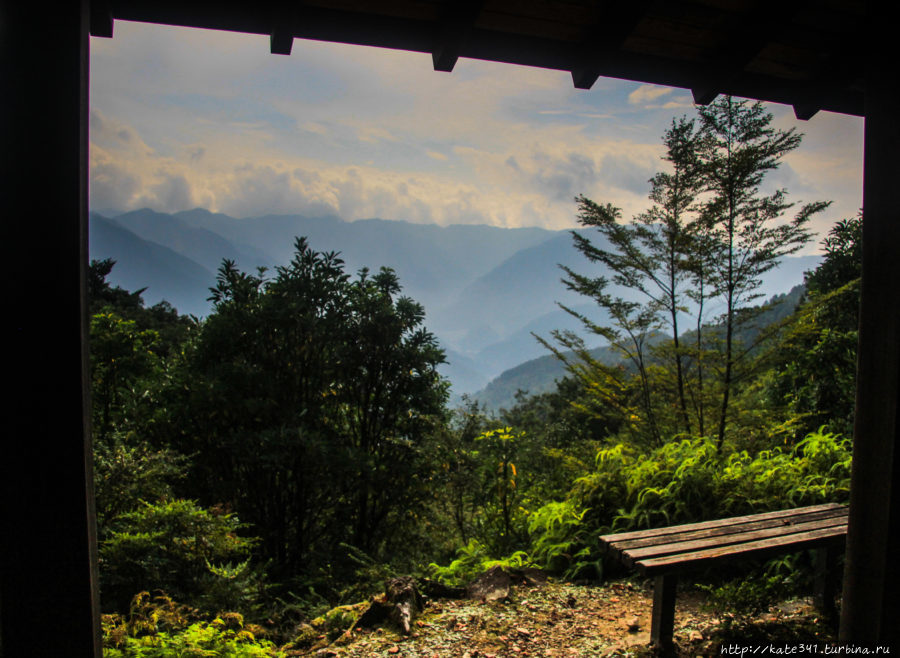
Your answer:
<point x="607" y="36"/>
<point x="748" y="34"/>
<point x="101" y="19"/>
<point x="281" y="41"/>
<point x="453" y="33"/>
<point x="284" y="22"/>
<point x="835" y="69"/>
<point x="369" y="29"/>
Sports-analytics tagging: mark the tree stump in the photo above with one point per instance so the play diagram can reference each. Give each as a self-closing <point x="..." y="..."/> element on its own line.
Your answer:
<point x="407" y="602"/>
<point x="401" y="603"/>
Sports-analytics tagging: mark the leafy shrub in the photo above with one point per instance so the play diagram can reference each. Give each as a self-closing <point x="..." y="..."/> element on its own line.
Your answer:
<point x="682" y="482"/>
<point x="563" y="543"/>
<point x="127" y="471"/>
<point x="191" y="552"/>
<point x="158" y="627"/>
<point x="472" y="560"/>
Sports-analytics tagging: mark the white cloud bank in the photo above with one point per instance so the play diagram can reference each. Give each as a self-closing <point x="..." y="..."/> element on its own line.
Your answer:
<point x="185" y="118"/>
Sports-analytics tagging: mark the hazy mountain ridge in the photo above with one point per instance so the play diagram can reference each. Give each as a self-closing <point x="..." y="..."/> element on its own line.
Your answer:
<point x="165" y="273"/>
<point x="541" y="374"/>
<point x="202" y="245"/>
<point x="485" y="289"/>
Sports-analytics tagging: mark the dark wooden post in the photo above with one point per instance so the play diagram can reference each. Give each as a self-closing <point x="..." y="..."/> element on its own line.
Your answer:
<point x="48" y="593"/>
<point x="825" y="562"/>
<point x="871" y="594"/>
<point x="662" y="625"/>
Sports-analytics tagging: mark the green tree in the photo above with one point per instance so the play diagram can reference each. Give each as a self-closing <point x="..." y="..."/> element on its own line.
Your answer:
<point x="648" y="256"/>
<point x="502" y="518"/>
<point x="305" y="398"/>
<point x="171" y="328"/>
<point x="710" y="233"/>
<point x="128" y="472"/>
<point x="391" y="395"/>
<point x="148" y="538"/>
<point x="122" y="356"/>
<point x="814" y="377"/>
<point x="561" y="436"/>
<point x="738" y="147"/>
<point x="131" y="350"/>
<point x="452" y="452"/>
<point x="194" y="554"/>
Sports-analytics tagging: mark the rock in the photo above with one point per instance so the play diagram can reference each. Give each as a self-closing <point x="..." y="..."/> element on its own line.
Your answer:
<point x="492" y="585"/>
<point x="633" y="625"/>
<point x="530" y="576"/>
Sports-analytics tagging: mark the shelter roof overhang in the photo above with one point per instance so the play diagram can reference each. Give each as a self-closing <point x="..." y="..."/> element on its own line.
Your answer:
<point x="800" y="53"/>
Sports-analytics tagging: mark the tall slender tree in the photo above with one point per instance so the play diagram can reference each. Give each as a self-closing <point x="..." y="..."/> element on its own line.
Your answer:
<point x="649" y="256"/>
<point x="711" y="232"/>
<point x="743" y="226"/>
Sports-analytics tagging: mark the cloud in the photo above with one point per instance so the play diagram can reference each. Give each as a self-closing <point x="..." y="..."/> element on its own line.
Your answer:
<point x="686" y="102"/>
<point x="115" y="135"/>
<point x="647" y="93"/>
<point x="574" y="113"/>
<point x="563" y="178"/>
<point x="315" y="127"/>
<point x="195" y="152"/>
<point x="626" y="172"/>
<point x="112" y="186"/>
<point x="184" y="116"/>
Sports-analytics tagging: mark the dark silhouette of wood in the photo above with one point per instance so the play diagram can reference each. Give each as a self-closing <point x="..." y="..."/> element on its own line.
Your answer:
<point x="662" y="620"/>
<point x="47" y="543"/>
<point x="667" y="43"/>
<point x="871" y="593"/>
<point x="845" y="65"/>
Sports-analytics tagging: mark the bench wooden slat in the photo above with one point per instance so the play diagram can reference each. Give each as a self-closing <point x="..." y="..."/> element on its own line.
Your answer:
<point x="732" y="543"/>
<point x="672" y="530"/>
<point x="663" y="553"/>
<point x="695" y="559"/>
<point x="729" y="529"/>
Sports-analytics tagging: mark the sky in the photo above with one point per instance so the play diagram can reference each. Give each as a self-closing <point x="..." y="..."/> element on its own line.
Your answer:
<point x="184" y="118"/>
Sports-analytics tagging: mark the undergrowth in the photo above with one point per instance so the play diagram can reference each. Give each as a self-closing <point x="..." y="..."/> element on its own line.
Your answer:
<point x="158" y="627"/>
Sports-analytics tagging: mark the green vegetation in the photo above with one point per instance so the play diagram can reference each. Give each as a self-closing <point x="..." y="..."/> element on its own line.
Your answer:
<point x="291" y="451"/>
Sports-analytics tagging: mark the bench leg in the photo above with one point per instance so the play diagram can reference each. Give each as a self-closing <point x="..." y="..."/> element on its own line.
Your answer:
<point x="662" y="624"/>
<point x="825" y="562"/>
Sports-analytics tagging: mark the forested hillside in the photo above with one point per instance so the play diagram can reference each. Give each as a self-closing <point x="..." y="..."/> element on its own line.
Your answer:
<point x="542" y="375"/>
<point x="485" y="290"/>
<point x="262" y="471"/>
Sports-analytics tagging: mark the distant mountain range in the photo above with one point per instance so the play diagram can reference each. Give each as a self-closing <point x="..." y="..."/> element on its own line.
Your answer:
<point x="541" y="375"/>
<point x="485" y="289"/>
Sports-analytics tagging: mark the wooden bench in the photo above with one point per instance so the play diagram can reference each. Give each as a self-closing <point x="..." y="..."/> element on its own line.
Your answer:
<point x="663" y="553"/>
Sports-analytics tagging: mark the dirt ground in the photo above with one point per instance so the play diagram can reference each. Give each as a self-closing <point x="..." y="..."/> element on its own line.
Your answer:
<point x="565" y="620"/>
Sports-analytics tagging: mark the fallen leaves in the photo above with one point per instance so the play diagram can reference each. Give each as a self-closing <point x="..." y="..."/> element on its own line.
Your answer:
<point x="556" y="621"/>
